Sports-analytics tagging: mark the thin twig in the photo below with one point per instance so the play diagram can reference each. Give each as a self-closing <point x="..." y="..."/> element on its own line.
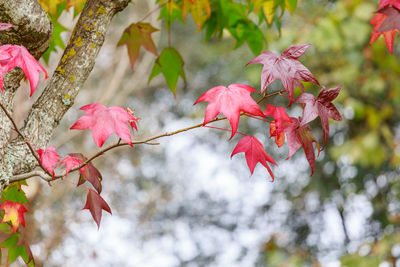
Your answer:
<point x="152" y="11"/>
<point x="269" y="95"/>
<point x="23" y="138"/>
<point x="222" y="129"/>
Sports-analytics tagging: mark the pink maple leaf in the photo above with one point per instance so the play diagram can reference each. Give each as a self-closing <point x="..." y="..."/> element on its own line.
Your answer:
<point x="5" y="26"/>
<point x="229" y="101"/>
<point x="321" y="106"/>
<point x="286" y="67"/>
<point x="103" y="121"/>
<point x="300" y="135"/>
<point x="12" y="56"/>
<point x="254" y="152"/>
<point x="49" y="158"/>
<point x="95" y="204"/>
<point x="72" y="162"/>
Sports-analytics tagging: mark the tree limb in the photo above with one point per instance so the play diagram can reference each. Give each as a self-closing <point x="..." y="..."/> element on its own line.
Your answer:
<point x="73" y="69"/>
<point x="31" y="29"/>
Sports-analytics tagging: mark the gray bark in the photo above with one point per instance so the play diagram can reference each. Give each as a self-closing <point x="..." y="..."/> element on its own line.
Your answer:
<point x="73" y="69"/>
<point x="31" y="29"/>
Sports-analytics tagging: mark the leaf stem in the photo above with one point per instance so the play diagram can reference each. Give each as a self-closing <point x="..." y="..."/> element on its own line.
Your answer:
<point x="224" y="130"/>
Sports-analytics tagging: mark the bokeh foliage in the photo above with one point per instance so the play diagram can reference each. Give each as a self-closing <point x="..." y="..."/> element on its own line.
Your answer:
<point x="363" y="156"/>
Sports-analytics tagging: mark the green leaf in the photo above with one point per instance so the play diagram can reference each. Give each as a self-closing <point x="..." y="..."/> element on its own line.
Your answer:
<point x="13" y="193"/>
<point x="170" y="64"/>
<point x="291" y="5"/>
<point x="255" y="38"/>
<point x="16" y="248"/>
<point x="5" y="228"/>
<point x="169" y="13"/>
<point x="11" y="241"/>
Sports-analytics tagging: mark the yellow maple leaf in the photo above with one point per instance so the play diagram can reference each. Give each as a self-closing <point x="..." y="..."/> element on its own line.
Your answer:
<point x="200" y="10"/>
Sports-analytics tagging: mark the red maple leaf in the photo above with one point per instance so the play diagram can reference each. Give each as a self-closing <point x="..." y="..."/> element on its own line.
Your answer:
<point x="300" y="135"/>
<point x="285" y="67"/>
<point x="385" y="3"/>
<point x="254" y="152"/>
<point x="386" y="22"/>
<point x="90" y="174"/>
<point x="12" y="56"/>
<point x="14" y="213"/>
<point x="95" y="203"/>
<point x="280" y="117"/>
<point x="103" y="121"/>
<point x="49" y="158"/>
<point x="136" y="35"/>
<point x="321" y="106"/>
<point x="230" y="102"/>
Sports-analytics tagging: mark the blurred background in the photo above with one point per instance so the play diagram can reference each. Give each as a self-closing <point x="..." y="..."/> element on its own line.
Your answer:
<point x="186" y="202"/>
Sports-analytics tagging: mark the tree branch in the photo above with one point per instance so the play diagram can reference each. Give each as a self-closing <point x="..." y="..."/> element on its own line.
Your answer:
<point x="73" y="69"/>
<point x="146" y="141"/>
<point x="31" y="29"/>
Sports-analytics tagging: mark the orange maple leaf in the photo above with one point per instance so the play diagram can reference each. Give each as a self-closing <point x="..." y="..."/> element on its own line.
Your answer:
<point x="14" y="212"/>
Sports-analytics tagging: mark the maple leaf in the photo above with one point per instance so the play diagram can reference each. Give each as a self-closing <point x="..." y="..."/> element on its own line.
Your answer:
<point x="300" y="135"/>
<point x="269" y="7"/>
<point x="133" y="120"/>
<point x="286" y="67"/>
<point x="50" y="6"/>
<point x="280" y="117"/>
<point x="71" y="162"/>
<point x="49" y="158"/>
<point x="90" y="173"/>
<point x="25" y="252"/>
<point x="279" y="139"/>
<point x="170" y="64"/>
<point x="5" y="26"/>
<point x="321" y="106"/>
<point x="391" y="21"/>
<point x="103" y="121"/>
<point x="14" y="212"/>
<point x="229" y="101"/>
<point x="385" y="3"/>
<point x="95" y="203"/>
<point x="386" y="22"/>
<point x="136" y="35"/>
<point x="12" y="56"/>
<point x="200" y="10"/>
<point x="254" y="152"/>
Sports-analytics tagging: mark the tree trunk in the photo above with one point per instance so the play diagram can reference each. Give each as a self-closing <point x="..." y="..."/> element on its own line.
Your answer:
<point x="58" y="96"/>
